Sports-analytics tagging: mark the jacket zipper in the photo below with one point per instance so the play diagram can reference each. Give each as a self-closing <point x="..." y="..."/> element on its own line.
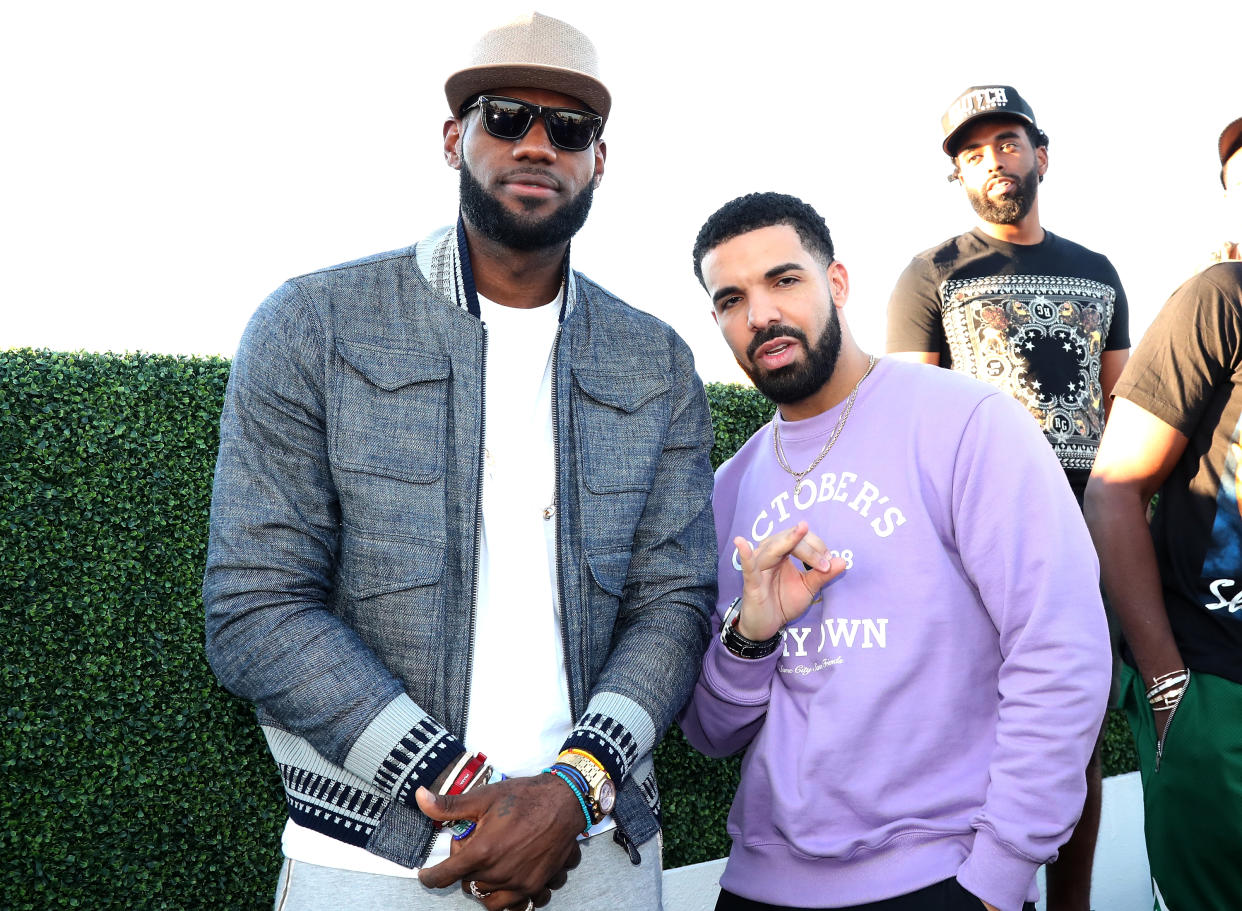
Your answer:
<point x="556" y="518"/>
<point x="478" y="541"/>
<point x="619" y="835"/>
<point x="478" y="523"/>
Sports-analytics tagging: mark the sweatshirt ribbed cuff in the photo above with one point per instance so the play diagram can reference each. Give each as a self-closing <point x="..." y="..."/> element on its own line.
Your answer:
<point x="996" y="874"/>
<point x="744" y="681"/>
<point x="401" y="749"/>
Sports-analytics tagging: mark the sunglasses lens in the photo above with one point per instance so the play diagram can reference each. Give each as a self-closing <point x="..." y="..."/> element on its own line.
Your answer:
<point x="509" y="118"/>
<point x="572" y="130"/>
<point x="506" y="119"/>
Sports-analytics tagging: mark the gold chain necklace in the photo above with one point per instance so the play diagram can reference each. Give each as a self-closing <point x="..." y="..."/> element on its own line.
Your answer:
<point x="799" y="476"/>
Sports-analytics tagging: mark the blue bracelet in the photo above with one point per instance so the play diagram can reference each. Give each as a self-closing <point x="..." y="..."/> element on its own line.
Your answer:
<point x="577" y="793"/>
<point x="577" y="776"/>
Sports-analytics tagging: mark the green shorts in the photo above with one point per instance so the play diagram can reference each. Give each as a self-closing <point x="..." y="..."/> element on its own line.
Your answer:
<point x="1193" y="804"/>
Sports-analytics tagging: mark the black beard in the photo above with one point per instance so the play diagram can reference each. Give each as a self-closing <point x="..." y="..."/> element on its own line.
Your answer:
<point x="487" y="215"/>
<point x="795" y="382"/>
<point x="1011" y="209"/>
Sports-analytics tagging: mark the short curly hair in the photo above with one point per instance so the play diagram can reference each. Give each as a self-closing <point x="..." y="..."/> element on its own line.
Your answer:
<point x="763" y="210"/>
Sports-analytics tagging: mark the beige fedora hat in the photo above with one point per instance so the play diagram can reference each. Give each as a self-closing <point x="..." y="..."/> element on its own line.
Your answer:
<point x="532" y="52"/>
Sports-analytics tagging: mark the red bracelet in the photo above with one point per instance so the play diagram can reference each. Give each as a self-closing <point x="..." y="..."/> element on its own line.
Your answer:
<point x="466" y="775"/>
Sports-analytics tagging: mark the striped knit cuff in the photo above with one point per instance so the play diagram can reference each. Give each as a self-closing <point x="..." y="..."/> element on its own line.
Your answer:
<point x="615" y="730"/>
<point x="401" y="749"/>
<point x="323" y="796"/>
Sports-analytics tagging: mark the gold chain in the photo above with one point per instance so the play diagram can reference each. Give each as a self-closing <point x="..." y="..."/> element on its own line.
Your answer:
<point x="799" y="476"/>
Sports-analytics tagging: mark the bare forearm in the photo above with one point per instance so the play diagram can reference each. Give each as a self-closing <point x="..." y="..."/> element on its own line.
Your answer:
<point x="1111" y="364"/>
<point x="1117" y="519"/>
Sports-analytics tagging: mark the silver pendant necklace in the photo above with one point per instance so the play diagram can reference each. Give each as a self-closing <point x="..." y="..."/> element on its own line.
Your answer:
<point x="800" y="476"/>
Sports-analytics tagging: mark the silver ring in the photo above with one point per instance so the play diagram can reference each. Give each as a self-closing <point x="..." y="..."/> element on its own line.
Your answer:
<point x="530" y="904"/>
<point x="474" y="890"/>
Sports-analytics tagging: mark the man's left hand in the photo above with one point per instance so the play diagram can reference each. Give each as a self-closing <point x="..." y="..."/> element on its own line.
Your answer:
<point x="523" y="841"/>
<point x="774" y="591"/>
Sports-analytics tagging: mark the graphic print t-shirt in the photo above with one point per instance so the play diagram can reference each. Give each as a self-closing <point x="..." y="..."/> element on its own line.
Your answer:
<point x="1187" y="371"/>
<point x="1031" y="319"/>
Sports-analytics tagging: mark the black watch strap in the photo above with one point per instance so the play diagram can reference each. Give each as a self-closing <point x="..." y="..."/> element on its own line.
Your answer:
<point x="738" y="644"/>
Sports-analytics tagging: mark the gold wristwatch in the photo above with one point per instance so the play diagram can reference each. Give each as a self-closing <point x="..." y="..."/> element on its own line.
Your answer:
<point x="601" y="792"/>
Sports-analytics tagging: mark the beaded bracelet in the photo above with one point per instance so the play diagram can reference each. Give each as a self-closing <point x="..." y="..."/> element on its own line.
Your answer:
<point x="578" y="777"/>
<point x="560" y="773"/>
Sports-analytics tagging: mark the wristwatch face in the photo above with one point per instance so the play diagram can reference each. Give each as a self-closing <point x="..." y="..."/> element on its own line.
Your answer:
<point x="607" y="796"/>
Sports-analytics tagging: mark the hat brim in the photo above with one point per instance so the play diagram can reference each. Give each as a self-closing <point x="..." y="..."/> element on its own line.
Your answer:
<point x="1230" y="142"/>
<point x="477" y="80"/>
<point x="1011" y="115"/>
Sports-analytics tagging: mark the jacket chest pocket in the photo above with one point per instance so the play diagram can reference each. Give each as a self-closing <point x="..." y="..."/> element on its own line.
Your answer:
<point x="390" y="418"/>
<point x="621" y="421"/>
<point x="394" y="601"/>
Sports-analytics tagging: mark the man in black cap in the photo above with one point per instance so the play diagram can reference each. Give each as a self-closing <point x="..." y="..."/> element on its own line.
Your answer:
<point x="1176" y="585"/>
<point x="1039" y="316"/>
<point x="461" y="530"/>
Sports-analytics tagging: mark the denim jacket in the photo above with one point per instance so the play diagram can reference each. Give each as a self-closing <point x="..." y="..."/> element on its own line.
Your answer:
<point x="345" y="526"/>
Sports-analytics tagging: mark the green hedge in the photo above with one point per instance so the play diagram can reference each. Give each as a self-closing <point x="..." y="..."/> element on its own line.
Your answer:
<point x="131" y="779"/>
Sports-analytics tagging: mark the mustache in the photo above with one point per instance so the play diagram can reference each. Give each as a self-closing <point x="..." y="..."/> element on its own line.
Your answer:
<point x="527" y="170"/>
<point x="763" y="336"/>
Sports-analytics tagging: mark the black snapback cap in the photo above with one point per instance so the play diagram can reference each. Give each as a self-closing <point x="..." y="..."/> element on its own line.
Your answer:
<point x="983" y="101"/>
<point x="1230" y="142"/>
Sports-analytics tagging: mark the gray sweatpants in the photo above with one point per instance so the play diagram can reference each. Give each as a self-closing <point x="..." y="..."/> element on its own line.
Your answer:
<point x="605" y="880"/>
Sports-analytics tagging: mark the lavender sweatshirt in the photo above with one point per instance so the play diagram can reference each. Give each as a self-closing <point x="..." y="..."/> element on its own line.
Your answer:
<point x="932" y="713"/>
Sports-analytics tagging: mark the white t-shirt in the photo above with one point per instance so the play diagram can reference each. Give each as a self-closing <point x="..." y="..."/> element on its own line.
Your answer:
<point x="518" y="710"/>
<point x="519" y="701"/>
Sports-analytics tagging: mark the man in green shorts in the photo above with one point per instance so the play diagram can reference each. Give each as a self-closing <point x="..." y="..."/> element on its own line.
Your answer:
<point x="1176" y="430"/>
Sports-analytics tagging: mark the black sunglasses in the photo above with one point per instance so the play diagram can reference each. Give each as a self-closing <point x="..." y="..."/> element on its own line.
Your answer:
<point x="511" y="118"/>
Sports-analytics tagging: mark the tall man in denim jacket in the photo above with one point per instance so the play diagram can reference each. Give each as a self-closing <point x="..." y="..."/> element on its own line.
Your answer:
<point x="462" y="507"/>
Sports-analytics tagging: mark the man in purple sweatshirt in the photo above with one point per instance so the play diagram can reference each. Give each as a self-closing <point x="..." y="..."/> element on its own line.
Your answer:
<point x="912" y="651"/>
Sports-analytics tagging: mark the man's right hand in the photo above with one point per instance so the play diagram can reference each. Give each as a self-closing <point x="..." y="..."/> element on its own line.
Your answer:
<point x="774" y="590"/>
<point x="524" y="840"/>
